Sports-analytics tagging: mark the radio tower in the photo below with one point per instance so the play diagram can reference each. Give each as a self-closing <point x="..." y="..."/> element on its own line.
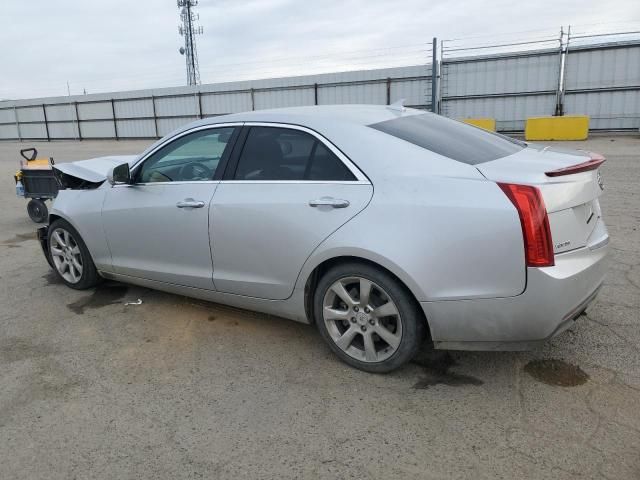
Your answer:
<point x="189" y="30"/>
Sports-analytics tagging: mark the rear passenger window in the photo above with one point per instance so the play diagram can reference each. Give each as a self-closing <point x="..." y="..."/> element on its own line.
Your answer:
<point x="272" y="153"/>
<point x="456" y="140"/>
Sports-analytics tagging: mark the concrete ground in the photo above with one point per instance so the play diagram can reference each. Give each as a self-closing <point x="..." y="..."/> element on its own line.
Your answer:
<point x="175" y="388"/>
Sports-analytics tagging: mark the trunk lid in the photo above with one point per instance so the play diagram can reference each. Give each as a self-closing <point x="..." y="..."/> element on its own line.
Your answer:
<point x="571" y="199"/>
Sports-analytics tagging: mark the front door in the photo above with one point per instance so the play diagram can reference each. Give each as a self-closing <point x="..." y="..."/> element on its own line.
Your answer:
<point x="157" y="228"/>
<point x="283" y="194"/>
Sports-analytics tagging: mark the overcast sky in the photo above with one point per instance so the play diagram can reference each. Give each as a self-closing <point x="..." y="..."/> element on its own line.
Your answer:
<point x="110" y="45"/>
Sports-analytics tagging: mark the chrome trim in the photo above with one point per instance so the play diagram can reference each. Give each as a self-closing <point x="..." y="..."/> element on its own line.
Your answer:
<point x="181" y="182"/>
<point x="360" y="176"/>
<point x="305" y="182"/>
<point x="252" y="182"/>
<point x="179" y="135"/>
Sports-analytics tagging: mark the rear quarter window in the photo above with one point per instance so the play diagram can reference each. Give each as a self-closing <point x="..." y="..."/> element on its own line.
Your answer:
<point x="455" y="140"/>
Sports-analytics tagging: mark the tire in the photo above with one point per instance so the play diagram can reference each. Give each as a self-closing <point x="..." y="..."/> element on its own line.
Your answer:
<point x="70" y="257"/>
<point x="374" y="342"/>
<point x="37" y="210"/>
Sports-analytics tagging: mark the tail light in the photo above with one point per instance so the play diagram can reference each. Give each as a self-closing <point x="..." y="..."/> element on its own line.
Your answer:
<point x="528" y="201"/>
<point x="595" y="162"/>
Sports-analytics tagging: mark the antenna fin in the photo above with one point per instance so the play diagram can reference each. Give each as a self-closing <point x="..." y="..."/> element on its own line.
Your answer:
<point x="398" y="105"/>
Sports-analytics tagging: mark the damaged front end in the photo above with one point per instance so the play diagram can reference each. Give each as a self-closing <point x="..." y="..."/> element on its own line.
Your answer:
<point x="65" y="181"/>
<point x="88" y="174"/>
<point x="72" y="178"/>
<point x="43" y="238"/>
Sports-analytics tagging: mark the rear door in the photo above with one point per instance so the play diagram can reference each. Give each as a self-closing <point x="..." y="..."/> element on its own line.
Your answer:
<point x="158" y="227"/>
<point x="286" y="189"/>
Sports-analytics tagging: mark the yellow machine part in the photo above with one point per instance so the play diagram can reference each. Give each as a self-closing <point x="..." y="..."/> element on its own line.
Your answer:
<point x="569" y="127"/>
<point x="36" y="164"/>
<point x="485" y="123"/>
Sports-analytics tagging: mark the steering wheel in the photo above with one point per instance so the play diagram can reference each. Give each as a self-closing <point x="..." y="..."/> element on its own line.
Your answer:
<point x="195" y="171"/>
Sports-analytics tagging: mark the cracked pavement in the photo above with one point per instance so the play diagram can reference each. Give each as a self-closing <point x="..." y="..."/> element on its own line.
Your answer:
<point x="177" y="388"/>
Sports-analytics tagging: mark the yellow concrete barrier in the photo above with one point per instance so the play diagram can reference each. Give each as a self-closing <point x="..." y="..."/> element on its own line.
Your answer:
<point x="486" y="123"/>
<point x="569" y="127"/>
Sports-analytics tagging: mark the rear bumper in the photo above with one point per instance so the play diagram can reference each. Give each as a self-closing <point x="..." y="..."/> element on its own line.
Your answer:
<point x="554" y="298"/>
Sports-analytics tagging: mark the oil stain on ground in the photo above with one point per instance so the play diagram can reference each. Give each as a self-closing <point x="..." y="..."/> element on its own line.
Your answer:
<point x="18" y="238"/>
<point x="13" y="349"/>
<point x="436" y="368"/>
<point x="52" y="278"/>
<point x="556" y="372"/>
<point x="106" y="294"/>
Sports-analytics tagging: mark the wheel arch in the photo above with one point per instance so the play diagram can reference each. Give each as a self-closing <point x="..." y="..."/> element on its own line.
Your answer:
<point x="323" y="266"/>
<point x="53" y="217"/>
<point x="57" y="216"/>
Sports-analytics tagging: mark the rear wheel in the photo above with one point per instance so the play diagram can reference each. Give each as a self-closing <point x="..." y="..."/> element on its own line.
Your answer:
<point x="367" y="317"/>
<point x="70" y="257"/>
<point x="37" y="210"/>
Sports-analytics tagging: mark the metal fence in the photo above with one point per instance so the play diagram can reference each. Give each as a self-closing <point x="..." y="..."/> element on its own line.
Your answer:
<point x="544" y="76"/>
<point x="507" y="87"/>
<point x="154" y="113"/>
<point x="580" y="74"/>
<point x="604" y="83"/>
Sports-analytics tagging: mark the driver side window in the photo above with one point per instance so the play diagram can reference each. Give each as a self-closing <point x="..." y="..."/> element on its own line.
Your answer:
<point x="191" y="158"/>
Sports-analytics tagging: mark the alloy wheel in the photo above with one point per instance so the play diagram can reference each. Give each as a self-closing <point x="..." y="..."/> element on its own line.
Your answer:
<point x="362" y="319"/>
<point x="66" y="255"/>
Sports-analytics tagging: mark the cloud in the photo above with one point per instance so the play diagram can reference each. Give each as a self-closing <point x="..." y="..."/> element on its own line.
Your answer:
<point x="113" y="45"/>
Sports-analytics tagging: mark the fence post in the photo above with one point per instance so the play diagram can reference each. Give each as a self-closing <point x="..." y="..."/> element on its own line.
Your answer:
<point x="434" y="75"/>
<point x="315" y="93"/>
<point x="46" y="123"/>
<point x="200" y="105"/>
<point x="115" y="124"/>
<point x="15" y="116"/>
<point x="561" y="61"/>
<point x="253" y="101"/>
<point x="155" y="117"/>
<point x="388" y="91"/>
<point x="563" y="73"/>
<point x="75" y="105"/>
<point x="441" y="80"/>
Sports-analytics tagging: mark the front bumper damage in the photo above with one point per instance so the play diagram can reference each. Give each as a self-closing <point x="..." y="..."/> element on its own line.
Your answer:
<point x="43" y="238"/>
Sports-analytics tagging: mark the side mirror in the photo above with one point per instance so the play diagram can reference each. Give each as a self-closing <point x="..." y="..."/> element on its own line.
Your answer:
<point x="119" y="174"/>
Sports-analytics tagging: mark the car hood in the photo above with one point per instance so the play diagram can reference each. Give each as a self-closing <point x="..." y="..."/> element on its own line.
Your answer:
<point x="95" y="169"/>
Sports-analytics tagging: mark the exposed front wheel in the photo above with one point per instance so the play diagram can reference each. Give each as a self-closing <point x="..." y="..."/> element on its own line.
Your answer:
<point x="70" y="257"/>
<point x="367" y="317"/>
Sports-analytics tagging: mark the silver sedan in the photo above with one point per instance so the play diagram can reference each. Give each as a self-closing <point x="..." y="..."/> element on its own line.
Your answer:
<point x="382" y="226"/>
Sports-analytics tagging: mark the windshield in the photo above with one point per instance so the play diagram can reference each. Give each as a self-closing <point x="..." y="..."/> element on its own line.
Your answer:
<point x="456" y="140"/>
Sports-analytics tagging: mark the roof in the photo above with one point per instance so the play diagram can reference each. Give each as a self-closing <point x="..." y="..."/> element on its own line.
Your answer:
<point x="315" y="116"/>
<point x="345" y="126"/>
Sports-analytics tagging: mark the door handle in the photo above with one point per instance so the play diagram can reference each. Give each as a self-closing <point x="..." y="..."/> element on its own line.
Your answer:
<point x="329" y="202"/>
<point x="190" y="203"/>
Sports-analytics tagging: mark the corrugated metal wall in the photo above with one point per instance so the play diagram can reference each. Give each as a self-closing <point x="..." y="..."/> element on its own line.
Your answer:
<point x="604" y="83"/>
<point x="507" y="87"/>
<point x="154" y="113"/>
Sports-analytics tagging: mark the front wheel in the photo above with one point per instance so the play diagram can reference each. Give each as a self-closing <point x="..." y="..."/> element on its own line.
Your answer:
<point x="367" y="317"/>
<point x="70" y="257"/>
